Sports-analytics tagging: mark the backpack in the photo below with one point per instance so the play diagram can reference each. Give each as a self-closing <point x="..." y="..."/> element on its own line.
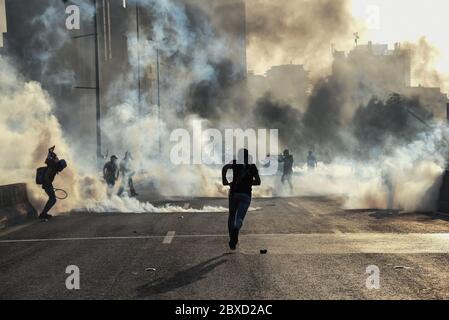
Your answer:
<point x="40" y="175"/>
<point x="62" y="164"/>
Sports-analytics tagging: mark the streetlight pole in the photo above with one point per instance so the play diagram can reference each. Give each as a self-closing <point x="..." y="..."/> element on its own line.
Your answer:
<point x="158" y="71"/>
<point x="138" y="60"/>
<point x="159" y="99"/>
<point x="97" y="82"/>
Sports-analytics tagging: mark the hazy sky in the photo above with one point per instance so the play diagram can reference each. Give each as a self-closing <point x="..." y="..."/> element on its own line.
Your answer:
<point x="390" y="21"/>
<point x="407" y="20"/>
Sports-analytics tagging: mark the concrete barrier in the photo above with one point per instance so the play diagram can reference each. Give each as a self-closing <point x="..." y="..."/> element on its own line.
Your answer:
<point x="443" y="203"/>
<point x="14" y="205"/>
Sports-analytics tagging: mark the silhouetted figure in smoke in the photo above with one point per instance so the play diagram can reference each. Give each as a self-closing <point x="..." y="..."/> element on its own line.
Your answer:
<point x="46" y="176"/>
<point x="387" y="181"/>
<point x="111" y="173"/>
<point x="127" y="176"/>
<point x="245" y="175"/>
<point x="287" y="169"/>
<point x="312" y="163"/>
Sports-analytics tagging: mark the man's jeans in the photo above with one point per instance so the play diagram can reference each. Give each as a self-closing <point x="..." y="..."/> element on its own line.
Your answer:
<point x="238" y="207"/>
<point x="51" y="199"/>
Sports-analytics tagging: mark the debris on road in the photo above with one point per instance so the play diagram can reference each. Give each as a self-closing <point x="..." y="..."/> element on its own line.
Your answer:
<point x="402" y="268"/>
<point x="264" y="251"/>
<point x="151" y="269"/>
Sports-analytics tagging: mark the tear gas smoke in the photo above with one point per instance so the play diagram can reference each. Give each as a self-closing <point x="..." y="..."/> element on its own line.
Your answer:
<point x="28" y="128"/>
<point x="373" y="152"/>
<point x="299" y="31"/>
<point x="424" y="73"/>
<point x="131" y="205"/>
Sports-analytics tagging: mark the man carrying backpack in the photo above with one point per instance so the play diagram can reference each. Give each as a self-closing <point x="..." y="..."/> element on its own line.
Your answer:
<point x="245" y="175"/>
<point x="46" y="176"/>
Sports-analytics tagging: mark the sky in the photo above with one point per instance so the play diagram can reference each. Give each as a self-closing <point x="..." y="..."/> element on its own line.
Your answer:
<point x="407" y="20"/>
<point x="388" y="22"/>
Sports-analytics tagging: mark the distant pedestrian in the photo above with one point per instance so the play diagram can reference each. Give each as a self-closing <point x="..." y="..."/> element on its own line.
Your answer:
<point x="287" y="169"/>
<point x="245" y="175"/>
<point x="127" y="173"/>
<point x="312" y="163"/>
<point x="111" y="173"/>
<point x="387" y="181"/>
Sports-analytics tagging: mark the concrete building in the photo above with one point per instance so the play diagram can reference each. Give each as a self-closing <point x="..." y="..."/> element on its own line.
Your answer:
<point x="3" y="25"/>
<point x="375" y="67"/>
<point x="430" y="98"/>
<point x="68" y="70"/>
<point x="288" y="83"/>
<point x="64" y="61"/>
<point x="376" y="70"/>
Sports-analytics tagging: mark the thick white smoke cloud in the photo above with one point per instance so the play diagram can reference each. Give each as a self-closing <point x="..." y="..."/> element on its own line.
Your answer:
<point x="134" y="126"/>
<point x="406" y="179"/>
<point x="28" y="128"/>
<point x="132" y="205"/>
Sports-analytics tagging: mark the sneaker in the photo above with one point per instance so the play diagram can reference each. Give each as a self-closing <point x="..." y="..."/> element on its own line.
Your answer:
<point x="235" y="238"/>
<point x="45" y="216"/>
<point x="232" y="246"/>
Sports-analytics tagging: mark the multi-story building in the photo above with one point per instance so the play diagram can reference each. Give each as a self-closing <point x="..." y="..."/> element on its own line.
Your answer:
<point x="64" y="61"/>
<point x="288" y="83"/>
<point x="431" y="98"/>
<point x="3" y="28"/>
<point x="375" y="70"/>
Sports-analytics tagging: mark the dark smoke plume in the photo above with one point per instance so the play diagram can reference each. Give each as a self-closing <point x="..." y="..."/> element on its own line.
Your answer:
<point x="303" y="31"/>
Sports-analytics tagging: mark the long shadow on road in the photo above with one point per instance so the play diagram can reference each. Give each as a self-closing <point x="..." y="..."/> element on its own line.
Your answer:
<point x="181" y="278"/>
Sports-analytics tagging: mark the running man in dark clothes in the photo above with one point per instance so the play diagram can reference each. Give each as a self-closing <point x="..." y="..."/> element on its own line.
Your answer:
<point x="245" y="175"/>
<point x="111" y="173"/>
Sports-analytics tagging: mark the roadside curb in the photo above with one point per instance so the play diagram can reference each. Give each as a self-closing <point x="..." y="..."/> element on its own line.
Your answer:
<point x="15" y="206"/>
<point x="443" y="201"/>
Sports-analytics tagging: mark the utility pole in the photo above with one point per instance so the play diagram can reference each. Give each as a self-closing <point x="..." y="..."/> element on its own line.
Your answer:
<point x="138" y="60"/>
<point x="97" y="82"/>
<point x="159" y="99"/>
<point x="158" y="71"/>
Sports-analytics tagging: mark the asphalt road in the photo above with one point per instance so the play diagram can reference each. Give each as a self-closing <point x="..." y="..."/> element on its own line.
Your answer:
<point x="316" y="250"/>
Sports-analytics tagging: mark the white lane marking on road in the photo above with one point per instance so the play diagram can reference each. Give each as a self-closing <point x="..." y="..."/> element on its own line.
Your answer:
<point x="169" y="237"/>
<point x="347" y="243"/>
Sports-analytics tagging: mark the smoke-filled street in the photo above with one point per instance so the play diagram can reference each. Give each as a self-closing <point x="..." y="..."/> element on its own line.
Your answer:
<point x="224" y="150"/>
<point x="315" y="250"/>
